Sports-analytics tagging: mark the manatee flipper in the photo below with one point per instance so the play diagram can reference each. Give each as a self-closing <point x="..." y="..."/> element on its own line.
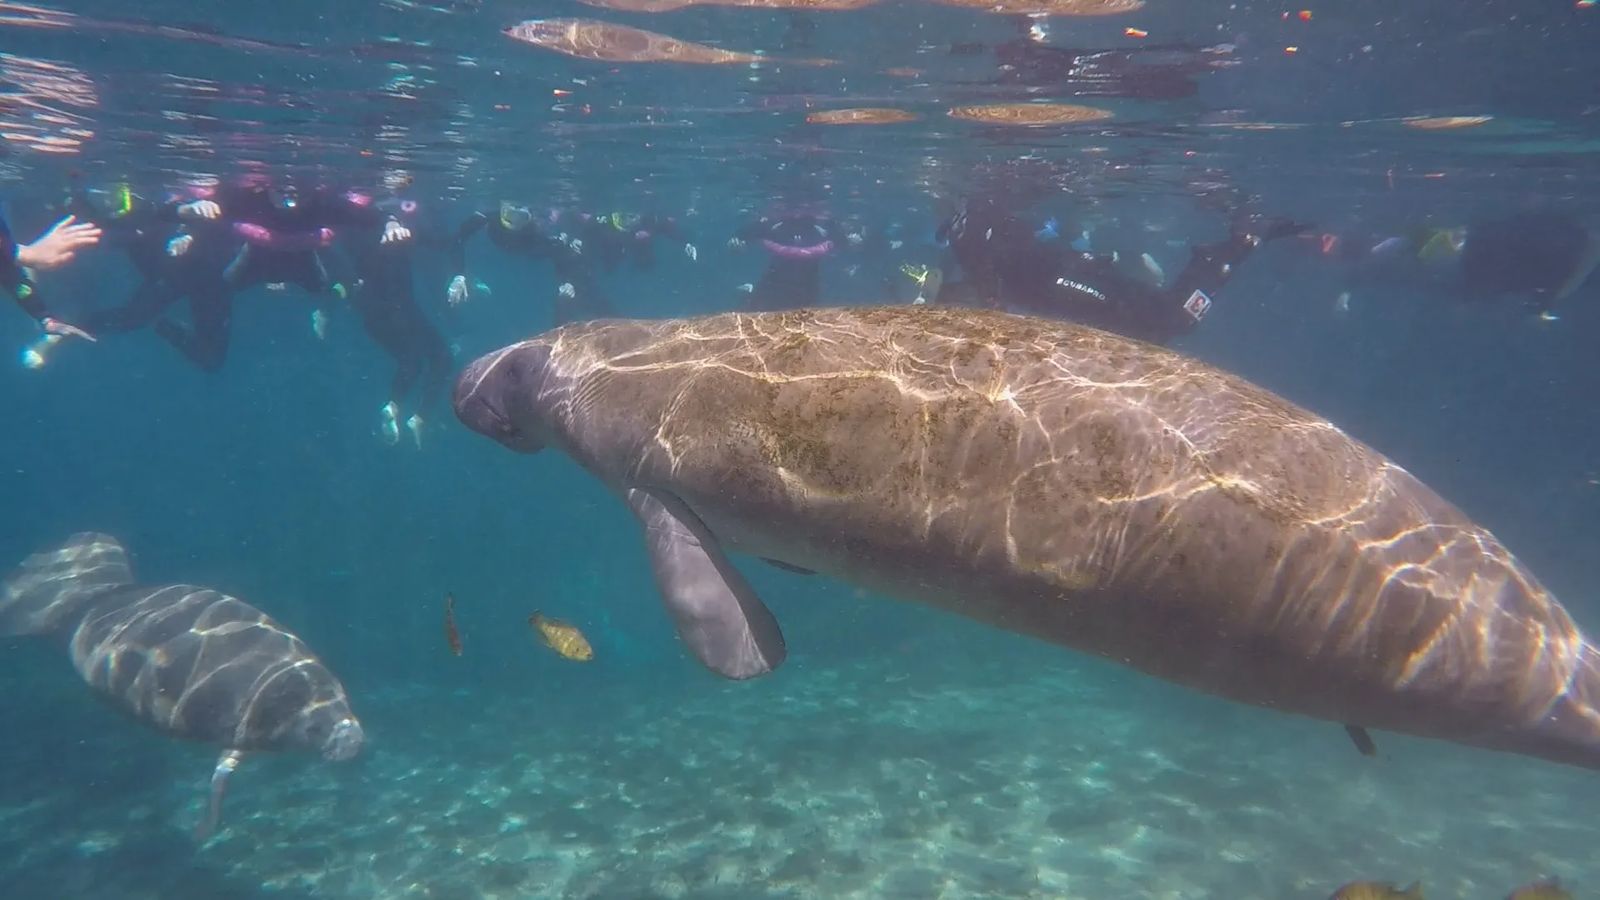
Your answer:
<point x="1362" y="740"/>
<point x="219" y="786"/>
<point x="716" y="612"/>
<point x="780" y="564"/>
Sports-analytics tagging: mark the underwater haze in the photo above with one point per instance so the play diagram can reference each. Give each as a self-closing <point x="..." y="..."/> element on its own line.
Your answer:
<point x="900" y="751"/>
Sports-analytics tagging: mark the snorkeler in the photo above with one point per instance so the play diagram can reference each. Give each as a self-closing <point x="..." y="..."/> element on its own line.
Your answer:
<point x="872" y="251"/>
<point x="178" y="254"/>
<point x="611" y="238"/>
<point x="1007" y="265"/>
<point x="385" y="300"/>
<point x="796" y="241"/>
<point x="55" y="248"/>
<point x="284" y="232"/>
<point x="512" y="229"/>
<point x="1540" y="257"/>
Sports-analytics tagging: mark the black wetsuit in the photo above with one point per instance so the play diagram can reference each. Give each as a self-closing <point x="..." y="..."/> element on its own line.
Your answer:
<point x="197" y="274"/>
<point x="792" y="279"/>
<point x="1006" y="266"/>
<point x="385" y="300"/>
<point x="611" y="240"/>
<point x="1532" y="255"/>
<point x="874" y="257"/>
<point x="531" y="242"/>
<point x="15" y="279"/>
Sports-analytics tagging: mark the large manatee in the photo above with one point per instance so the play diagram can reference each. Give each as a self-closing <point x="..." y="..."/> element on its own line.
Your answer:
<point x="189" y="661"/>
<point x="1058" y="481"/>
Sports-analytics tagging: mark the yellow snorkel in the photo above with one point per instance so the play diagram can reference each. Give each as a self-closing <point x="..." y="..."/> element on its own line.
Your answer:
<point x="1444" y="243"/>
<point x="121" y="200"/>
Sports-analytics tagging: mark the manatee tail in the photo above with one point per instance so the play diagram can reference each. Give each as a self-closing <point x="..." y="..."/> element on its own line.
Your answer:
<point x="47" y="588"/>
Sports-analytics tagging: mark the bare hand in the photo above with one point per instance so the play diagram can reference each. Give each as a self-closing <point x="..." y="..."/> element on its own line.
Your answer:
<point x="200" y="209"/>
<point x="58" y="327"/>
<point x="394" y="232"/>
<point x="57" y="247"/>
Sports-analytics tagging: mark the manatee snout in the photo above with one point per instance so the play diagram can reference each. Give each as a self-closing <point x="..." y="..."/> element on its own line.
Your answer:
<point x="345" y="741"/>
<point x="496" y="395"/>
<point x="328" y="729"/>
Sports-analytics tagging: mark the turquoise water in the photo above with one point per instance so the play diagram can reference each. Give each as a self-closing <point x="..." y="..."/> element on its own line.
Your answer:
<point x="899" y="752"/>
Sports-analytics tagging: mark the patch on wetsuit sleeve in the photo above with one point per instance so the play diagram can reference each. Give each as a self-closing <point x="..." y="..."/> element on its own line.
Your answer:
<point x="1197" y="305"/>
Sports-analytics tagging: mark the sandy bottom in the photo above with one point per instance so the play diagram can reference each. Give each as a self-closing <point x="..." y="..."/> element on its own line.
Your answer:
<point x="1029" y="777"/>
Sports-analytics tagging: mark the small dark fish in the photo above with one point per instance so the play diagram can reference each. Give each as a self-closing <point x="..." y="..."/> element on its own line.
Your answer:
<point x="1362" y="740"/>
<point x="451" y="635"/>
<point x="1377" y="890"/>
<point x="1548" y="889"/>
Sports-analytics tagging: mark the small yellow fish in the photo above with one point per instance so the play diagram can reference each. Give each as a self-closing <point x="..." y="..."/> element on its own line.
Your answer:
<point x="1377" y="890"/>
<point x="1548" y="889"/>
<point x="563" y="638"/>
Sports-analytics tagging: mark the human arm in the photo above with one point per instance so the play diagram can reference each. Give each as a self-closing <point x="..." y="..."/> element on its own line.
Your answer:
<point x="53" y="249"/>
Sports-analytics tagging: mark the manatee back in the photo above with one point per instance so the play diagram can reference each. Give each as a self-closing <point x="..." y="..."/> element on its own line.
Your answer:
<point x="203" y="666"/>
<point x="50" y="588"/>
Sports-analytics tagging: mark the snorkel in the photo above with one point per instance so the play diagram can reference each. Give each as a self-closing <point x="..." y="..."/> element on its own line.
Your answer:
<point x="1443" y="244"/>
<point x="121" y="200"/>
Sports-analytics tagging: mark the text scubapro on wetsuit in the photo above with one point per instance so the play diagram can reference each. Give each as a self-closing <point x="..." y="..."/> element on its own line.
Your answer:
<point x="1079" y="286"/>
